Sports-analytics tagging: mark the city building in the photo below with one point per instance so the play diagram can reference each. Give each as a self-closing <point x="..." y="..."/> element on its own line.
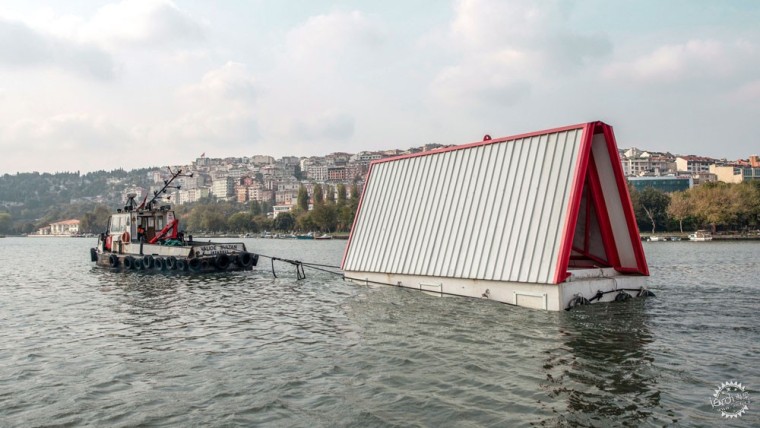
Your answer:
<point x="667" y="184"/>
<point x="61" y="228"/>
<point x="735" y="174"/>
<point x="693" y="164"/>
<point x="223" y="187"/>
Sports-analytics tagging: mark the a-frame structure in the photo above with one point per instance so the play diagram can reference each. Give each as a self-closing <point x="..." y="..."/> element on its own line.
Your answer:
<point x="542" y="208"/>
<point x="605" y="232"/>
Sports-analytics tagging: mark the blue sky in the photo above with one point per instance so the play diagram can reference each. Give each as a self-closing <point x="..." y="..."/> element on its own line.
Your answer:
<point x="89" y="85"/>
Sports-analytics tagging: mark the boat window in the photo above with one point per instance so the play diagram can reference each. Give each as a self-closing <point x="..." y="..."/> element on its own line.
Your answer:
<point x="160" y="223"/>
<point x="119" y="223"/>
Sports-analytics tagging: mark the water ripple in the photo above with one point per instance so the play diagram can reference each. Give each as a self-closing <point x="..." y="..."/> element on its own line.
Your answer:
<point x="86" y="346"/>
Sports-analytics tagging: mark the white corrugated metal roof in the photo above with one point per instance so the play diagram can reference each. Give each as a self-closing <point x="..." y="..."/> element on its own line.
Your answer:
<point x="491" y="211"/>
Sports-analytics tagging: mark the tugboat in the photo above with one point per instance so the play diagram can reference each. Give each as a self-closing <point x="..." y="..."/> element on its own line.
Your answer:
<point x="147" y="237"/>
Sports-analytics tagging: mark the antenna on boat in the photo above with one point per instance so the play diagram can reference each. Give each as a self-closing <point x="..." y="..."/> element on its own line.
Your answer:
<point x="167" y="185"/>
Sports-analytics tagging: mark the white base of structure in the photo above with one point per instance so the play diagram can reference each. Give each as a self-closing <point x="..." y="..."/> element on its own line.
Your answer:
<point x="583" y="282"/>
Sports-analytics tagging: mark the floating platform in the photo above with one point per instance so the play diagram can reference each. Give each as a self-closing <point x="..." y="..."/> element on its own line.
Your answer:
<point x="542" y="220"/>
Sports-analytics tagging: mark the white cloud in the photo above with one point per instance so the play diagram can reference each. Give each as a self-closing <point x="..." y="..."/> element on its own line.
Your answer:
<point x="22" y="46"/>
<point x="60" y="142"/>
<point x="687" y="62"/>
<point x="231" y="82"/>
<point x="501" y="50"/>
<point x="219" y="109"/>
<point x="142" y="23"/>
<point x="330" y="126"/>
<point x="493" y="78"/>
<point x="749" y="92"/>
<point x="325" y="42"/>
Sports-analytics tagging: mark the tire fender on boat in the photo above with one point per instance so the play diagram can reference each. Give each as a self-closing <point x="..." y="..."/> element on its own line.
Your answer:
<point x="171" y="263"/>
<point x="93" y="255"/>
<point x="195" y="264"/>
<point x="113" y="259"/>
<point x="159" y="263"/>
<point x="147" y="261"/>
<point x="130" y="263"/>
<point x="182" y="264"/>
<point x="245" y="259"/>
<point x="222" y="261"/>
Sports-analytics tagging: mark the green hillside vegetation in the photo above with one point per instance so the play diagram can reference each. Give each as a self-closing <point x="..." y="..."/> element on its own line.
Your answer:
<point x="29" y="201"/>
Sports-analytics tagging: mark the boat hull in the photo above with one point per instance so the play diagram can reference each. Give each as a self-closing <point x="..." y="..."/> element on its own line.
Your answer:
<point x="195" y="258"/>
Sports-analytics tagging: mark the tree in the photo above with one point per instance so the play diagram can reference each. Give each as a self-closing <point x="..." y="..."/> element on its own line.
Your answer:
<point x="318" y="194"/>
<point x="712" y="204"/>
<point x="345" y="217"/>
<point x="354" y="204"/>
<point x="341" y="190"/>
<point x="284" y="222"/>
<point x="306" y="223"/>
<point x="87" y="223"/>
<point x="5" y="223"/>
<point x="241" y="222"/>
<point x="330" y="194"/>
<point x="680" y="207"/>
<point x="745" y="203"/>
<point x="263" y="222"/>
<point x="256" y="208"/>
<point x="654" y="203"/>
<point x="325" y="217"/>
<point x="302" y="200"/>
<point x="214" y="221"/>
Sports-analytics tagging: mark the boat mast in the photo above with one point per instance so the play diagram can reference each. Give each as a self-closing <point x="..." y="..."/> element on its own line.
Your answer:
<point x="167" y="185"/>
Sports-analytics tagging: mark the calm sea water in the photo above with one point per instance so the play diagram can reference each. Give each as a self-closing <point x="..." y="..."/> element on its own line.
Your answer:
<point x="85" y="346"/>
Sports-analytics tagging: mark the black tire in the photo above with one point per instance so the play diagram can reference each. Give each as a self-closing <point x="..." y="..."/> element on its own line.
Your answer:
<point x="171" y="263"/>
<point x="182" y="264"/>
<point x="222" y="261"/>
<point x="159" y="263"/>
<point x="130" y="263"/>
<point x="113" y="259"/>
<point x="147" y="262"/>
<point x="195" y="265"/>
<point x="245" y="259"/>
<point x="93" y="255"/>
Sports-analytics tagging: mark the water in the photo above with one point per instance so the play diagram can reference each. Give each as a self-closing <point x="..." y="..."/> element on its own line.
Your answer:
<point x="85" y="346"/>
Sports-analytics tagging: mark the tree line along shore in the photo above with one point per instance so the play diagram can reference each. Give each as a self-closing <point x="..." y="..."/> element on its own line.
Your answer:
<point x="725" y="209"/>
<point x="728" y="210"/>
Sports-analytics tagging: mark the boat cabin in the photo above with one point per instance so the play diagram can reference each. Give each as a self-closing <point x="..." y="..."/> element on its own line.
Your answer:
<point x="135" y="224"/>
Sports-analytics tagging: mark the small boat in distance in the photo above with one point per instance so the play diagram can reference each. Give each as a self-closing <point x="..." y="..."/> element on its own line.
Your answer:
<point x="655" y="238"/>
<point x="700" y="236"/>
<point x="305" y="236"/>
<point x="323" y="237"/>
<point x="146" y="237"/>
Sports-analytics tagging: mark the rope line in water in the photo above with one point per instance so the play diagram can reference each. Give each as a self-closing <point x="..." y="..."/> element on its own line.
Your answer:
<point x="300" y="272"/>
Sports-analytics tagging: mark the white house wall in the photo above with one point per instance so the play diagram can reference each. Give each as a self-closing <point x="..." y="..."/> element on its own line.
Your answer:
<point x="493" y="211"/>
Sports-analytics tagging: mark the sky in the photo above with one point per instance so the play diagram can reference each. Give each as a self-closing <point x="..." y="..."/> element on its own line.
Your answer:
<point x="100" y="85"/>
